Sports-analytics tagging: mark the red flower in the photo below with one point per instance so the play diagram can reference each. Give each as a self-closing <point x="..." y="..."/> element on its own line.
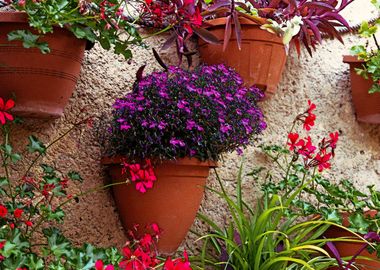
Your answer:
<point x="12" y="225"/>
<point x="309" y="121"/>
<point x="334" y="137"/>
<point x="99" y="265"/>
<point x="142" y="175"/>
<point x="4" y="116"/>
<point x="293" y="137"/>
<point x="28" y="223"/>
<point x="306" y="147"/>
<point x="311" y="108"/>
<point x="322" y="161"/>
<point x="18" y="212"/>
<point x="3" y="211"/>
<point x="2" y="244"/>
<point x="155" y="228"/>
<point x="178" y="264"/>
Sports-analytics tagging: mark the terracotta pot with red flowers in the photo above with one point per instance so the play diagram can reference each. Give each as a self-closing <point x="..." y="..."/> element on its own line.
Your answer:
<point x="166" y="135"/>
<point x="41" y="54"/>
<point x="250" y="36"/>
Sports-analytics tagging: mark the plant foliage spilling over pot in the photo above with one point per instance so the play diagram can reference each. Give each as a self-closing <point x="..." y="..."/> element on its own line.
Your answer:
<point x="179" y="122"/>
<point x="43" y="46"/>
<point x="240" y="27"/>
<point x="365" y="75"/>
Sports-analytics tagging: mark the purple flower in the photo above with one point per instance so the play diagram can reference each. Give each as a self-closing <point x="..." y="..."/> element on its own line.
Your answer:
<point x="176" y="142"/>
<point x="178" y="113"/>
<point x="125" y="126"/>
<point x="225" y="128"/>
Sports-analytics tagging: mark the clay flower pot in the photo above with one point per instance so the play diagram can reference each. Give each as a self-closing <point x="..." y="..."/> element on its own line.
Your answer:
<point x="172" y="203"/>
<point x="349" y="249"/>
<point x="261" y="59"/>
<point x="367" y="106"/>
<point x="40" y="83"/>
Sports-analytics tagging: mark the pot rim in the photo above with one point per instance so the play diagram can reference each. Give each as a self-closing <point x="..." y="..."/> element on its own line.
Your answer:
<point x="186" y="161"/>
<point x="222" y="21"/>
<point x="13" y="16"/>
<point x="348" y="59"/>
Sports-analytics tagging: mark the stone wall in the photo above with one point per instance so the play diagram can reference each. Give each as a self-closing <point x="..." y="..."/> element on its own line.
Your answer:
<point x="323" y="79"/>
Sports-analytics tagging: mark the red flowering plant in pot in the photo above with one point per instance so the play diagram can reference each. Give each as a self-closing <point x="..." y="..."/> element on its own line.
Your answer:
<point x="355" y="239"/>
<point x="234" y="32"/>
<point x="32" y="202"/>
<point x="167" y="133"/>
<point x="43" y="43"/>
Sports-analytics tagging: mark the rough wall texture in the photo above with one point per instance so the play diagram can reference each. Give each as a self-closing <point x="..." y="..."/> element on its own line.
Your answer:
<point x="323" y="79"/>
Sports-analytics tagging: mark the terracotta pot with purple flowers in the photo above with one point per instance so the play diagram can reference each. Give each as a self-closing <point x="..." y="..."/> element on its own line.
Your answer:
<point x="165" y="136"/>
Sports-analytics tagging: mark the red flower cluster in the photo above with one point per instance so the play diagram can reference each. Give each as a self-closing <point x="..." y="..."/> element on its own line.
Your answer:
<point x="140" y="253"/>
<point x="178" y="264"/>
<point x="4" y="107"/>
<point x="141" y="174"/>
<point x="313" y="156"/>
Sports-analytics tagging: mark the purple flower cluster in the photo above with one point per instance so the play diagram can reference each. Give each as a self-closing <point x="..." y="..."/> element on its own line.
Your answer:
<point x="200" y="113"/>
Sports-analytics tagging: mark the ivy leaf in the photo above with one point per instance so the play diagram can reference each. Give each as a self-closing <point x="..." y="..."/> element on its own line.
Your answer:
<point x="358" y="223"/>
<point x="36" y="145"/>
<point x="28" y="40"/>
<point x="75" y="176"/>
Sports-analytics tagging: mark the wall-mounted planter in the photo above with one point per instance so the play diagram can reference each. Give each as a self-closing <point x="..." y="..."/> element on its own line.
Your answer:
<point x="349" y="249"/>
<point x="41" y="83"/>
<point x="172" y="203"/>
<point x="367" y="106"/>
<point x="261" y="59"/>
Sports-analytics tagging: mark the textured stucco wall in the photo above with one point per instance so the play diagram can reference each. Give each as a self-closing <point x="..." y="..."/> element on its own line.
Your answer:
<point x="323" y="79"/>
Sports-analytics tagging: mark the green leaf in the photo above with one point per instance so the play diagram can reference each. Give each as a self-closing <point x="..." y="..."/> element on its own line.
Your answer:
<point x="75" y="176"/>
<point x="367" y="30"/>
<point x="28" y="40"/>
<point x="358" y="223"/>
<point x="36" y="145"/>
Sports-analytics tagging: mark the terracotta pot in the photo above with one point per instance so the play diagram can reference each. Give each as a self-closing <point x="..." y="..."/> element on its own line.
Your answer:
<point x="40" y="83"/>
<point x="261" y="59"/>
<point x="347" y="249"/>
<point x="367" y="106"/>
<point x="172" y="203"/>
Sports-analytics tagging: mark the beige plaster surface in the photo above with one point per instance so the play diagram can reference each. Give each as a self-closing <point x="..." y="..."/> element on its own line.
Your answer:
<point x="324" y="79"/>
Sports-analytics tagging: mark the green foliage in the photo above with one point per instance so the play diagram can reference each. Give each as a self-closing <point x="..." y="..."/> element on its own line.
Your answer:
<point x="371" y="68"/>
<point x="267" y="236"/>
<point x="106" y="22"/>
<point x="29" y="40"/>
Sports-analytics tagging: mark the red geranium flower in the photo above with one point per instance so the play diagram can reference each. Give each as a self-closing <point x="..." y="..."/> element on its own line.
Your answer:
<point x="4" y="116"/>
<point x="28" y="223"/>
<point x="18" y="212"/>
<point x="293" y="137"/>
<point x="3" y="211"/>
<point x="323" y="161"/>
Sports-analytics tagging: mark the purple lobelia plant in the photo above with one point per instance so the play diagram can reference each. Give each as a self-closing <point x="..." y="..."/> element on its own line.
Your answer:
<point x="177" y="113"/>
